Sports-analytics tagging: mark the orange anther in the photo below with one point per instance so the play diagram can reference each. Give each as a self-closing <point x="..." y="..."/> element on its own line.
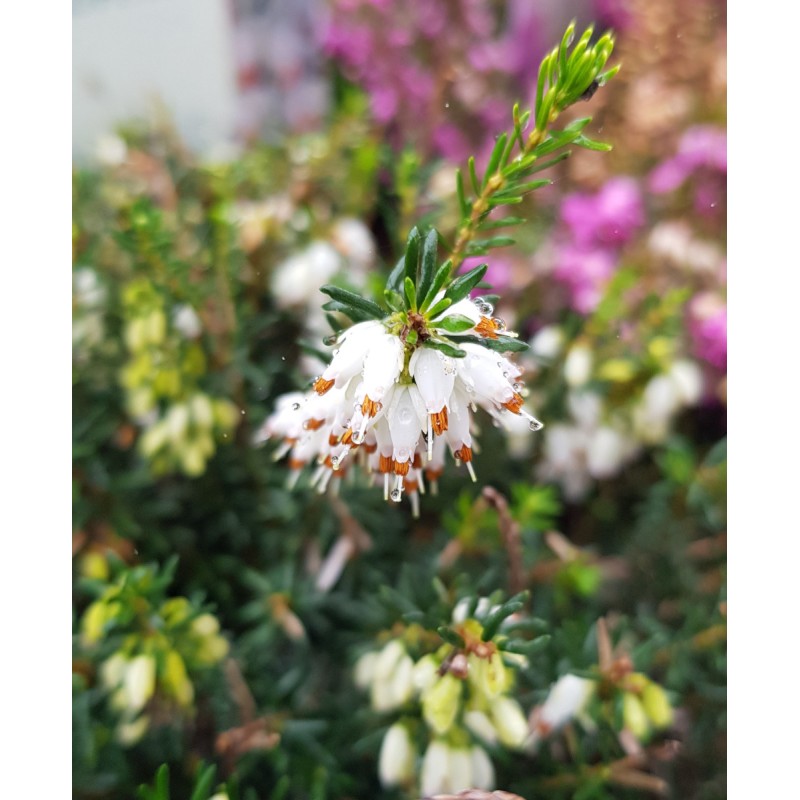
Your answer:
<point x="321" y="385"/>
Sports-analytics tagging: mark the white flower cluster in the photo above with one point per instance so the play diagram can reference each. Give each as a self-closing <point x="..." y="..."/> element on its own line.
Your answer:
<point x="599" y="440"/>
<point x="394" y="408"/>
<point x="465" y="705"/>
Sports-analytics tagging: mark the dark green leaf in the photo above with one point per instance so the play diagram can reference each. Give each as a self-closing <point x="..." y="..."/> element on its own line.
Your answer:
<point x="445" y="347"/>
<point x="505" y="222"/>
<point x="495" y="619"/>
<point x="473" y="176"/>
<point x="495" y="159"/>
<point x="430" y="254"/>
<point x="412" y="255"/>
<point x="353" y="300"/>
<point x="203" y="786"/>
<point x="455" y="323"/>
<point x="464" y="284"/>
<point x="394" y="300"/>
<point x="394" y="282"/>
<point x="438" y="281"/>
<point x="462" y="200"/>
<point x="591" y="144"/>
<point x="410" y="292"/>
<point x="349" y="311"/>
<point x="502" y="344"/>
<point x="450" y="636"/>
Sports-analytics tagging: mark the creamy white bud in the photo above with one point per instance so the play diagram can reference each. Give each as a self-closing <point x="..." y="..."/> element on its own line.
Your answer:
<point x="435" y="776"/>
<point x="567" y="698"/>
<point x="480" y="724"/>
<point x="396" y="759"/>
<point x="547" y="343"/>
<point x="578" y="365"/>
<point x="139" y="681"/>
<point x="482" y="769"/>
<point x="509" y="721"/>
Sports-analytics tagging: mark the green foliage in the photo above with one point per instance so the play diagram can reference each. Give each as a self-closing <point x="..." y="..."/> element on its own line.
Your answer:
<point x="209" y="655"/>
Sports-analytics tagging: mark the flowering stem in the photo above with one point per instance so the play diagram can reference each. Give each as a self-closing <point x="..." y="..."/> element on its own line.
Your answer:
<point x="481" y="205"/>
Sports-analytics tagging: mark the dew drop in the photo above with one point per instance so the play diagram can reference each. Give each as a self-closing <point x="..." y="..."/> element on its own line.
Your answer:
<point x="358" y="437"/>
<point x="396" y="495"/>
<point x="535" y="425"/>
<point x="405" y="416"/>
<point x="499" y="324"/>
<point x="329" y="340"/>
<point x="295" y="406"/>
<point x="335" y="461"/>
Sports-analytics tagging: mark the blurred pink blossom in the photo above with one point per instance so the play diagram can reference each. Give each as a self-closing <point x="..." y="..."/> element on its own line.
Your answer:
<point x="703" y="147"/>
<point x="611" y="216"/>
<point x="708" y="327"/>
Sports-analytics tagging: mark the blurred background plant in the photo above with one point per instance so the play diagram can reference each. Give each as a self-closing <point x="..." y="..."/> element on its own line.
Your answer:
<point x="237" y="639"/>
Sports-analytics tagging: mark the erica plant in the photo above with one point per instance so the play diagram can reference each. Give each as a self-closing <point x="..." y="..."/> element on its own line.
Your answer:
<point x="406" y="379"/>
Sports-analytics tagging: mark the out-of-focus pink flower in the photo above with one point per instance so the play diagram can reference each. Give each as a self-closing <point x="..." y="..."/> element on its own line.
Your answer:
<point x="611" y="216"/>
<point x="585" y="272"/>
<point x="701" y="147"/>
<point x="614" y="14"/>
<point x="708" y="326"/>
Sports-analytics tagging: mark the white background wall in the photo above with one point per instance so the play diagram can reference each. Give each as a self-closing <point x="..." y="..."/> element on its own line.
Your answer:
<point x="128" y="53"/>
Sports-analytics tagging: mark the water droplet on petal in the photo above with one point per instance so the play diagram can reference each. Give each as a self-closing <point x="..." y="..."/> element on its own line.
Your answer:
<point x="535" y="425"/>
<point x="396" y="495"/>
<point x="329" y="340"/>
<point x="499" y="324"/>
<point x="296" y="406"/>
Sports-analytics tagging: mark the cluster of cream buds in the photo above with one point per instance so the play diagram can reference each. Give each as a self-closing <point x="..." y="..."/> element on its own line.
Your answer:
<point x="155" y="669"/>
<point x="600" y="438"/>
<point x="645" y="706"/>
<point x="463" y="695"/>
<point x="181" y="424"/>
<point x="394" y="406"/>
<point x="184" y="437"/>
<point x="88" y="302"/>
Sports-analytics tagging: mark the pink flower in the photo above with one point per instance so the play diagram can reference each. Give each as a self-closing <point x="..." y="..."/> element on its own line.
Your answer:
<point x="708" y="326"/>
<point x="585" y="272"/>
<point x="608" y="217"/>
<point x="703" y="147"/>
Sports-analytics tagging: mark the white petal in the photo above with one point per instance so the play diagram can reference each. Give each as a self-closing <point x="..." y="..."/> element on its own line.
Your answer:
<point x="434" y="374"/>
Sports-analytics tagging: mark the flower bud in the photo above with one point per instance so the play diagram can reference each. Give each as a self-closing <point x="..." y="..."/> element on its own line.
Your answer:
<point x="128" y="733"/>
<point x="440" y="703"/>
<point x="479" y="724"/>
<point x="657" y="706"/>
<point x="435" y="777"/>
<point x="205" y="625"/>
<point x="482" y="769"/>
<point x="396" y="760"/>
<point x="634" y="717"/>
<point x="578" y="365"/>
<point x="512" y="727"/>
<point x="364" y="670"/>
<point x="139" y="681"/>
<point x="176" y="680"/>
<point x="489" y="675"/>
